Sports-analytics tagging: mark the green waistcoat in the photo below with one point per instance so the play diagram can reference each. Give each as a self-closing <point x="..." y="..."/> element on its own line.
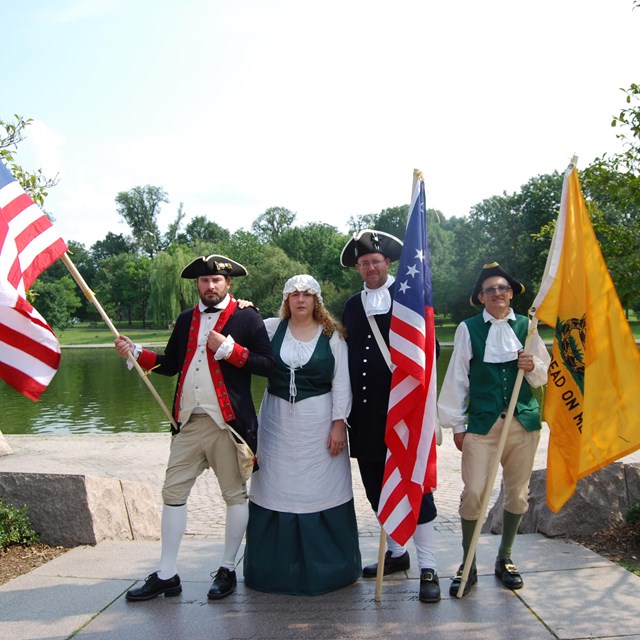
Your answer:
<point x="312" y="379"/>
<point x="491" y="384"/>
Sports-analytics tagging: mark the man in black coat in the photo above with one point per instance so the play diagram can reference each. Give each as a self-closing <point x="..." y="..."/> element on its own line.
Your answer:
<point x="371" y="252"/>
<point x="214" y="349"/>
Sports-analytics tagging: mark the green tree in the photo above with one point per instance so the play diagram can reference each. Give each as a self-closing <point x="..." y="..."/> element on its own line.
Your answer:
<point x="112" y="245"/>
<point x="270" y="225"/>
<point x="243" y="247"/>
<point x="458" y="276"/>
<point x="611" y="185"/>
<point x="200" y="229"/>
<point x="505" y="226"/>
<point x="124" y="286"/>
<point x="57" y="301"/>
<point x="441" y="252"/>
<point x="173" y="230"/>
<point x="84" y="262"/>
<point x="267" y="277"/>
<point x="316" y="244"/>
<point x="139" y="208"/>
<point x="629" y="121"/>
<point x="169" y="294"/>
<point x="12" y="133"/>
<point x="392" y="220"/>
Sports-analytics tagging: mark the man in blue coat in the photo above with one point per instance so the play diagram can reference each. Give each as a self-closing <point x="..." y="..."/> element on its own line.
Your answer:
<point x="367" y="319"/>
<point x="214" y="349"/>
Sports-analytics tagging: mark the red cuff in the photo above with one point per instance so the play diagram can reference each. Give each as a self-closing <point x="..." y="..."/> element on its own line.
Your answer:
<point x="239" y="356"/>
<point x="147" y="359"/>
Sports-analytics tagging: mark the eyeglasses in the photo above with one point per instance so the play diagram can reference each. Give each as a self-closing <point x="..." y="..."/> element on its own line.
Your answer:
<point x="501" y="288"/>
<point x="365" y="264"/>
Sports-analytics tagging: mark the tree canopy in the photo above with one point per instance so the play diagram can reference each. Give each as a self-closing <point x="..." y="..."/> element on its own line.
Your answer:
<point x="137" y="274"/>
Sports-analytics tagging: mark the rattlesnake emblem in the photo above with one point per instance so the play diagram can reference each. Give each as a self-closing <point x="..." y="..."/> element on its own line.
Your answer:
<point x="571" y="334"/>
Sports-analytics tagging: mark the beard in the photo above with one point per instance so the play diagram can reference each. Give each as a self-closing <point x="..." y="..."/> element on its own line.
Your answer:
<point x="212" y="299"/>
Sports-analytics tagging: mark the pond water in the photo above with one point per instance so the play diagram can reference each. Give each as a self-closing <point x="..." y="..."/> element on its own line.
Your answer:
<point x="94" y="392"/>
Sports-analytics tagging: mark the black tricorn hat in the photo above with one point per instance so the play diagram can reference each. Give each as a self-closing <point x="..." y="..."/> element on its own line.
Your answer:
<point x="211" y="266"/>
<point x="370" y="241"/>
<point x="489" y="271"/>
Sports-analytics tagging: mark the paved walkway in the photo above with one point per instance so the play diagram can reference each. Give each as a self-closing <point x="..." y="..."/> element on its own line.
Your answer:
<point x="570" y="592"/>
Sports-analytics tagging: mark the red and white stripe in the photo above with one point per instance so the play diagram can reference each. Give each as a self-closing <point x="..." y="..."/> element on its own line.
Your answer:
<point x="410" y="468"/>
<point x="29" y="350"/>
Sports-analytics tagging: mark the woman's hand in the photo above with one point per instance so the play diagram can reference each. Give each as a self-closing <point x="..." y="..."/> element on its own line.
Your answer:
<point x="337" y="440"/>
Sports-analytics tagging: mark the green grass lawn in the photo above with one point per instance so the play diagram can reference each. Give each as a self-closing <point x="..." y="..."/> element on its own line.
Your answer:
<point x="84" y="334"/>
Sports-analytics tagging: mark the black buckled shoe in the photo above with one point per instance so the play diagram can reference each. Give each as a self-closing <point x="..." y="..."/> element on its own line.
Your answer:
<point x="153" y="587"/>
<point x="224" y="584"/>
<point x="509" y="574"/>
<point x="429" y="586"/>
<point x="391" y="565"/>
<point x="457" y="580"/>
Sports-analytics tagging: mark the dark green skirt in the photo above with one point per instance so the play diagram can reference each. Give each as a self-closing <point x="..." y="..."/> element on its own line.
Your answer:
<point x="302" y="554"/>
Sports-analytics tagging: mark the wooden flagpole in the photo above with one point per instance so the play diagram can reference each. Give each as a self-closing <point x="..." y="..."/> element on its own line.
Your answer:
<point x="92" y="298"/>
<point x="493" y="472"/>
<point x="380" y="573"/>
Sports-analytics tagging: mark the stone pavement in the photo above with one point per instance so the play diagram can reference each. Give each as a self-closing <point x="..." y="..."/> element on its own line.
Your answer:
<point x="570" y="592"/>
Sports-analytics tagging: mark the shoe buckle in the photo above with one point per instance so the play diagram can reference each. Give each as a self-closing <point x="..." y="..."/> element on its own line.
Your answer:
<point x="510" y="568"/>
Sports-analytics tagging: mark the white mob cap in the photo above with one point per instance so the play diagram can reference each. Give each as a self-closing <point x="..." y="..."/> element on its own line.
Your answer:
<point x="302" y="282"/>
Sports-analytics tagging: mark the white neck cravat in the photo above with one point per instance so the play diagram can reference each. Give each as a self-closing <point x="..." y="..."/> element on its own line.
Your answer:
<point x="378" y="300"/>
<point x="502" y="343"/>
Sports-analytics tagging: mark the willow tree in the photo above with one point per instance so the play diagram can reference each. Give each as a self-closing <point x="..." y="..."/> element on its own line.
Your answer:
<point x="169" y="294"/>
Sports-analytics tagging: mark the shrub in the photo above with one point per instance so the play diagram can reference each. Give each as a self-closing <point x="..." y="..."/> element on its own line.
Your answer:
<point x="633" y="513"/>
<point x="15" y="526"/>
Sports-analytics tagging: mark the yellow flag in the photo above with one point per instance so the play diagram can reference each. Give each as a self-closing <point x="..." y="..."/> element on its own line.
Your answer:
<point x="592" y="402"/>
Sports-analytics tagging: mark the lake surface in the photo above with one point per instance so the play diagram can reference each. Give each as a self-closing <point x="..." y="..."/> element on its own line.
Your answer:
<point x="94" y="392"/>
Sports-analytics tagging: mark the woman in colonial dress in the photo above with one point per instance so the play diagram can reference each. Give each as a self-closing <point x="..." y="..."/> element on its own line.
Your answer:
<point x="302" y="537"/>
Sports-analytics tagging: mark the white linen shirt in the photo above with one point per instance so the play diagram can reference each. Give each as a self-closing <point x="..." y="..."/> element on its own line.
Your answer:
<point x="198" y="393"/>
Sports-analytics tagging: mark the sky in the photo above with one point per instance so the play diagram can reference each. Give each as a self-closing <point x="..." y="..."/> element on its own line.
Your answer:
<point x="325" y="108"/>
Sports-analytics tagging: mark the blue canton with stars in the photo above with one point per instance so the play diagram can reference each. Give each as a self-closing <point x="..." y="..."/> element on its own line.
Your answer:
<point x="413" y="287"/>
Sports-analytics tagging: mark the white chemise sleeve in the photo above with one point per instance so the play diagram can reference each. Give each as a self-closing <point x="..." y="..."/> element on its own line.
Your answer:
<point x="454" y="394"/>
<point x="341" y="386"/>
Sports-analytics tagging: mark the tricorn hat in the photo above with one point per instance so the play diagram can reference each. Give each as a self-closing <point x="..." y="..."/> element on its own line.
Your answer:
<point x="370" y="241"/>
<point x="490" y="271"/>
<point x="211" y="266"/>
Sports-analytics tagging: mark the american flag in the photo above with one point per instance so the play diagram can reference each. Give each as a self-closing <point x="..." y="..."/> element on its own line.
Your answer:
<point x="410" y="468"/>
<point x="29" y="351"/>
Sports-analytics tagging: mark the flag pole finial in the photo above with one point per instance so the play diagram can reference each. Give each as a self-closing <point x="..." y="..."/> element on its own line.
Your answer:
<point x="417" y="177"/>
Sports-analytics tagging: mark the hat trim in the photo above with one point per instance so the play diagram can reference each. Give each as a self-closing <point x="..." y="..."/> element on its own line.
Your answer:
<point x="357" y="235"/>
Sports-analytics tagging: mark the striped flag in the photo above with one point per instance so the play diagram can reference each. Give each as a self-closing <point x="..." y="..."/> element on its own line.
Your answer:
<point x="410" y="468"/>
<point x="592" y="402"/>
<point x="29" y="351"/>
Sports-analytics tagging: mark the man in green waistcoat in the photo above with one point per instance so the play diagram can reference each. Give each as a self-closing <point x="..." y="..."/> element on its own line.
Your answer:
<point x="477" y="388"/>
